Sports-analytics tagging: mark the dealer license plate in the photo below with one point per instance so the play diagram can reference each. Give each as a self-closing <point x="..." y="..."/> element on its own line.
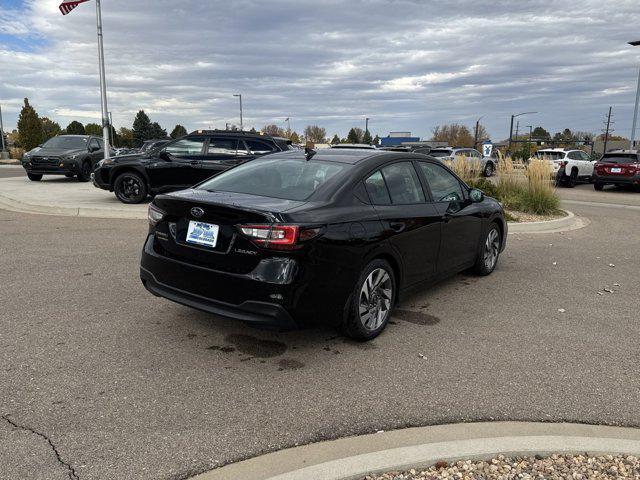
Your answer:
<point x="616" y="170"/>
<point x="202" y="233"/>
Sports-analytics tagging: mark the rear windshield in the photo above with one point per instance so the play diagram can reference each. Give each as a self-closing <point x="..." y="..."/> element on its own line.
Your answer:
<point x="440" y="153"/>
<point x="67" y="143"/>
<point x="620" y="158"/>
<point x="550" y="155"/>
<point x="289" y="179"/>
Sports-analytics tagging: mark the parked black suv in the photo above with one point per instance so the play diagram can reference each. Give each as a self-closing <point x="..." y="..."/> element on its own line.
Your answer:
<point x="181" y="163"/>
<point x="68" y="155"/>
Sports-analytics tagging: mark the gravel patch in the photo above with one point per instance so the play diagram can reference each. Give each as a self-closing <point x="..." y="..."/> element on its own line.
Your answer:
<point x="524" y="217"/>
<point x="575" y="467"/>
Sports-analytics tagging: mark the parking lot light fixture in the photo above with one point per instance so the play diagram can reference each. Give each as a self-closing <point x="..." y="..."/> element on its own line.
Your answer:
<point x="635" y="110"/>
<point x="239" y="95"/>
<point x="511" y="127"/>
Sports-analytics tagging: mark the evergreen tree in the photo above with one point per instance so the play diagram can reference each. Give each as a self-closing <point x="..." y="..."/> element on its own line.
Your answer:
<point x="335" y="140"/>
<point x="74" y="128"/>
<point x="294" y="137"/>
<point x="50" y="128"/>
<point x="355" y="135"/>
<point x="376" y="140"/>
<point x="178" y="131"/>
<point x="366" y="138"/>
<point x="125" y="136"/>
<point x="157" y="131"/>
<point x="93" y="129"/>
<point x="30" y="131"/>
<point x="141" y="129"/>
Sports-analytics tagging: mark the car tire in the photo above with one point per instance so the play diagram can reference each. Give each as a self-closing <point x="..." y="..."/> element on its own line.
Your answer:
<point x="598" y="186"/>
<point x="369" y="307"/>
<point x="85" y="171"/>
<point x="489" y="253"/>
<point x="488" y="169"/>
<point x="34" y="177"/>
<point x="130" y="187"/>
<point x="572" y="179"/>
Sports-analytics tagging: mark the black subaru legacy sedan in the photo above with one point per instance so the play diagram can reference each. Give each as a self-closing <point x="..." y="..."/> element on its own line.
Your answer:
<point x="334" y="237"/>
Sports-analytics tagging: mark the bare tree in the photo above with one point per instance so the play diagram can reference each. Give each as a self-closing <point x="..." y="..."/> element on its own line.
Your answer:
<point x="315" y="134"/>
<point x="454" y="134"/>
<point x="274" y="131"/>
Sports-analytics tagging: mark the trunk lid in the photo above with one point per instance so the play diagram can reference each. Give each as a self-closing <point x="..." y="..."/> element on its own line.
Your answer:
<point x="232" y="252"/>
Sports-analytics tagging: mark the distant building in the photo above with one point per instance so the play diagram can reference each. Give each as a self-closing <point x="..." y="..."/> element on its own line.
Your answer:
<point x="397" y="138"/>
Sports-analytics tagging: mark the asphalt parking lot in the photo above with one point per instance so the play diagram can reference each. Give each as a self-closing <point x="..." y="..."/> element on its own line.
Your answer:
<point x="102" y="380"/>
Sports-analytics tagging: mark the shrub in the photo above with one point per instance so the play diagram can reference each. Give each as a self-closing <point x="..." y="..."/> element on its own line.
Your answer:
<point x="16" y="153"/>
<point x="540" y="195"/>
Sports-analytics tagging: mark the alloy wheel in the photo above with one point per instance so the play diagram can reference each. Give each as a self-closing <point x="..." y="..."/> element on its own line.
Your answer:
<point x="491" y="249"/>
<point x="130" y="187"/>
<point x="375" y="299"/>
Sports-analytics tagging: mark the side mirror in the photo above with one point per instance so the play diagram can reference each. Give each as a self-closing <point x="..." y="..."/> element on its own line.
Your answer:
<point x="164" y="156"/>
<point x="476" y="195"/>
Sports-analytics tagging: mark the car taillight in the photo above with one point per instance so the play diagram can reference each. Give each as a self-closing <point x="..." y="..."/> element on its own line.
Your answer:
<point x="154" y="214"/>
<point x="278" y="237"/>
<point x="563" y="163"/>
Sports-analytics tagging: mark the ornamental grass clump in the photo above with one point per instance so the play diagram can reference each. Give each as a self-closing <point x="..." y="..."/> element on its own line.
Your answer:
<point x="540" y="195"/>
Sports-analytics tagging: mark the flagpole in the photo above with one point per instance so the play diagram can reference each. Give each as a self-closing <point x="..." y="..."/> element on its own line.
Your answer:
<point x="103" y="83"/>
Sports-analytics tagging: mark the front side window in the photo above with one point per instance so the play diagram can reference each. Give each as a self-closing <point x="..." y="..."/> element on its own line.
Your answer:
<point x="256" y="147"/>
<point x="93" y="144"/>
<point x="186" y="147"/>
<point x="444" y="186"/>
<point x="223" y="146"/>
<point x="403" y="183"/>
<point x="377" y="189"/>
<point x="290" y="179"/>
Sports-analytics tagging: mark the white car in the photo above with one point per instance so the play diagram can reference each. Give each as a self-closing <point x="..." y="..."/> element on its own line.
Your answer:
<point x="569" y="165"/>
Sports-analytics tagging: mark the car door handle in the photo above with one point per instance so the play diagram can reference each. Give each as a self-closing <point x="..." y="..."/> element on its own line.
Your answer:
<point x="397" y="226"/>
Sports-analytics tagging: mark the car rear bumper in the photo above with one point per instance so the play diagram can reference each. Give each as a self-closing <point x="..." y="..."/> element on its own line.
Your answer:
<point x="238" y="296"/>
<point x="617" y="179"/>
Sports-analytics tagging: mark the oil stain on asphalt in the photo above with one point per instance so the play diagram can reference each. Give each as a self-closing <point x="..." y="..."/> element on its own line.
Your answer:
<point x="256" y="347"/>
<point x="418" y="318"/>
<point x="289" y="364"/>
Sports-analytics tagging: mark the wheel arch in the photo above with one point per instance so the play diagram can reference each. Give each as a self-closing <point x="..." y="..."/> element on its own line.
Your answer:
<point x="128" y="168"/>
<point x="393" y="260"/>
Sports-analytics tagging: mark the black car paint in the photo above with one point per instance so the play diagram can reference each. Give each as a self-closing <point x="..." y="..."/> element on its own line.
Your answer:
<point x="316" y="281"/>
<point x="56" y="161"/>
<point x="165" y="173"/>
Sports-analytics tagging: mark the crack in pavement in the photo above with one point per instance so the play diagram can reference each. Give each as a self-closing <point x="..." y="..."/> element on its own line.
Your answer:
<point x="71" y="471"/>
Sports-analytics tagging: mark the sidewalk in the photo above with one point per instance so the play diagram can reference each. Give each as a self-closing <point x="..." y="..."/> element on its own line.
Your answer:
<point x="64" y="196"/>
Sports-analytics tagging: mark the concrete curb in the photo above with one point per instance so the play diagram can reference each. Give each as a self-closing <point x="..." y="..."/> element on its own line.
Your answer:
<point x="353" y="458"/>
<point x="564" y="224"/>
<point x="8" y="203"/>
<point x="10" y="161"/>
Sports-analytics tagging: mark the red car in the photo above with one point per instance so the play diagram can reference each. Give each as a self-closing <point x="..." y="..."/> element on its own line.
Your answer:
<point x="617" y="168"/>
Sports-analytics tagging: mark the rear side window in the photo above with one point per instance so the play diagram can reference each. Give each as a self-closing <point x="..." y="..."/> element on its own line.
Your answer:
<point x="444" y="186"/>
<point x="256" y="147"/>
<point x="94" y="144"/>
<point x="186" y="147"/>
<point x="290" y="179"/>
<point x="223" y="146"/>
<point x="403" y="183"/>
<point x="377" y="189"/>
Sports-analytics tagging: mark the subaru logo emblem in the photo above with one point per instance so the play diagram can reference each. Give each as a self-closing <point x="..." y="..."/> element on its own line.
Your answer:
<point x="197" y="212"/>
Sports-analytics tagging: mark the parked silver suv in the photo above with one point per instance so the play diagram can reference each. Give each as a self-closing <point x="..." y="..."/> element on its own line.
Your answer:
<point x="487" y="164"/>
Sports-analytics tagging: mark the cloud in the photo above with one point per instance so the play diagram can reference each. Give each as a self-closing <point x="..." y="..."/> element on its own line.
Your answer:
<point x="407" y="65"/>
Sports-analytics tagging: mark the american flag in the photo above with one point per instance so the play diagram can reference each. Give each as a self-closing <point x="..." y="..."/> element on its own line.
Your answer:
<point x="66" y="7"/>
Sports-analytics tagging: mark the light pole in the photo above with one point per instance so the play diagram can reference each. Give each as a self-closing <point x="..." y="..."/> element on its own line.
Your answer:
<point x="103" y="83"/>
<point x="635" y="110"/>
<point x="475" y="137"/>
<point x="366" y="124"/>
<point x="511" y="128"/>
<point x="239" y="95"/>
<point x="530" y="132"/>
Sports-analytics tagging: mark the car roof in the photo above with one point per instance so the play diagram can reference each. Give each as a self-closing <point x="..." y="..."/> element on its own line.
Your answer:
<point x="351" y="156"/>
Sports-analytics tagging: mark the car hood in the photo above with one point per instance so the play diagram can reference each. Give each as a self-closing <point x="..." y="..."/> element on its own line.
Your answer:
<point x="129" y="157"/>
<point x="56" y="152"/>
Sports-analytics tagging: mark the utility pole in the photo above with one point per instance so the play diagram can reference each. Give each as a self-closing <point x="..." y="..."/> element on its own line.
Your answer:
<point x="517" y="128"/>
<point x="606" y="133"/>
<point x="103" y="83"/>
<point x="239" y="95"/>
<point x="529" y="144"/>
<point x="1" y="133"/>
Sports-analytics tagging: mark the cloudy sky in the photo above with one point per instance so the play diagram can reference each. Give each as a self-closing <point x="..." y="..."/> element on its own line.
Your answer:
<point x="408" y="65"/>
